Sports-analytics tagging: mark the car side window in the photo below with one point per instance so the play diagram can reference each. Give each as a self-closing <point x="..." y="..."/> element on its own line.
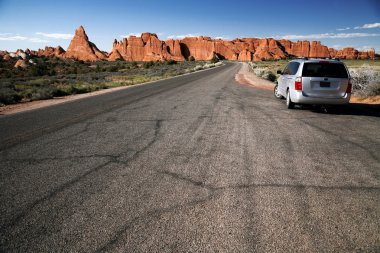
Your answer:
<point x="287" y="70"/>
<point x="291" y="68"/>
<point x="294" y="68"/>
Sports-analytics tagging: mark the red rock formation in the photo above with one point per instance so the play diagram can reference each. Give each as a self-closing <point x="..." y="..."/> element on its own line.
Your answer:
<point x="21" y="64"/>
<point x="300" y="49"/>
<point x="50" y="52"/>
<point x="81" y="48"/>
<point x="287" y="45"/>
<point x="269" y="49"/>
<point x="148" y="47"/>
<point x="135" y="49"/>
<point x="245" y="55"/>
<point x="227" y="50"/>
<point x="7" y="57"/>
<point x="115" y="55"/>
<point x="318" y="51"/>
<point x="347" y="53"/>
<point x="332" y="52"/>
<point x="371" y="53"/>
<point x="3" y="53"/>
<point x="154" y="49"/>
<point x="174" y="49"/>
<point x="201" y="48"/>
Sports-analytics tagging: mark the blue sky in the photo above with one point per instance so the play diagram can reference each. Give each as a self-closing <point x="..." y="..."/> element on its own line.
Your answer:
<point x="36" y="23"/>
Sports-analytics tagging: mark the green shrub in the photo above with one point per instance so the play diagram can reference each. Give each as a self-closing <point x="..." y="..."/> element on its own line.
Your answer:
<point x="39" y="70"/>
<point x="171" y="62"/>
<point x="271" y="77"/>
<point x="134" y="64"/>
<point x="9" y="96"/>
<point x="214" y="59"/>
<point x="113" y="68"/>
<point x="148" y="64"/>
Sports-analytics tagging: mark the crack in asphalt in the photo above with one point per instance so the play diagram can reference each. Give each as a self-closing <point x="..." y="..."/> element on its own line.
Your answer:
<point x="68" y="184"/>
<point x="212" y="193"/>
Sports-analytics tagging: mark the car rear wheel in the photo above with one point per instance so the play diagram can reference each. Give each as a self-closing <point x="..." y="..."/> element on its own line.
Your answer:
<point x="276" y="93"/>
<point x="289" y="102"/>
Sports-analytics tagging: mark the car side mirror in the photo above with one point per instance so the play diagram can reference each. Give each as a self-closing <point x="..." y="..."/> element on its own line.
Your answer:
<point x="279" y="72"/>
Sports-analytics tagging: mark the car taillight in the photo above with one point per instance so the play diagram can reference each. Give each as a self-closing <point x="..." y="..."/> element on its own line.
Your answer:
<point x="349" y="86"/>
<point x="298" y="83"/>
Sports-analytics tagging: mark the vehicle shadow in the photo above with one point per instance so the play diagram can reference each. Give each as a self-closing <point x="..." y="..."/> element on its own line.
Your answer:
<point x="356" y="109"/>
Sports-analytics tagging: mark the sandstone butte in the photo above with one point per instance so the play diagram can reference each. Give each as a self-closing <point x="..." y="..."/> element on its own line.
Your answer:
<point x="148" y="47"/>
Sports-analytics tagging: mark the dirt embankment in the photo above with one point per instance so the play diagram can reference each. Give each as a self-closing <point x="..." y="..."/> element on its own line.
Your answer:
<point x="245" y="76"/>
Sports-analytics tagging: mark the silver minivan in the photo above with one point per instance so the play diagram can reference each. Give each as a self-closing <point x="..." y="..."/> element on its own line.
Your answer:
<point x="314" y="81"/>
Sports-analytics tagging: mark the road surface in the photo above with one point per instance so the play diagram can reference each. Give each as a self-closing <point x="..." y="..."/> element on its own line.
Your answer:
<point x="198" y="163"/>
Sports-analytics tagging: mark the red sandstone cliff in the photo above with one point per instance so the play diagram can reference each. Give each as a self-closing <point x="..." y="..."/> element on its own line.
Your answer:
<point x="148" y="47"/>
<point x="81" y="48"/>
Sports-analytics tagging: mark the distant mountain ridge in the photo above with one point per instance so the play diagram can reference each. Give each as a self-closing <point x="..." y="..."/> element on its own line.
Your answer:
<point x="148" y="47"/>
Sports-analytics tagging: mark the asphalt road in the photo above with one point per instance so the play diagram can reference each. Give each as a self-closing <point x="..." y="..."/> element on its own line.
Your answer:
<point x="198" y="163"/>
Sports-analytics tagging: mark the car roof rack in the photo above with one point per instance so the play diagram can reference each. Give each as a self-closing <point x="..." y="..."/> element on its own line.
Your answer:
<point x="320" y="58"/>
<point x="317" y="58"/>
<point x="302" y="58"/>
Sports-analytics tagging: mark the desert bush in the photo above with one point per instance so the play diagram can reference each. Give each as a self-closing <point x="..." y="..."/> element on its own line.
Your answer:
<point x="39" y="70"/>
<point x="9" y="96"/>
<point x="214" y="59"/>
<point x="252" y="65"/>
<point x="171" y="62"/>
<point x="270" y="76"/>
<point x="265" y="73"/>
<point x="113" y="68"/>
<point x="198" y="67"/>
<point x="260" y="71"/>
<point x="365" y="81"/>
<point x="148" y="64"/>
<point x="208" y="65"/>
<point x="32" y="93"/>
<point x="191" y="58"/>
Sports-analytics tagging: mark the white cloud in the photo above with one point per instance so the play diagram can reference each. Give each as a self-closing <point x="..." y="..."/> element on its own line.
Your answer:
<point x="130" y="34"/>
<point x="183" y="36"/>
<point x="368" y="26"/>
<point x="38" y="40"/>
<point x="365" y="26"/>
<point x="6" y="37"/>
<point x="222" y="38"/>
<point x="64" y="36"/>
<point x="343" y="29"/>
<point x="327" y="36"/>
<point x="12" y="38"/>
<point x="364" y="48"/>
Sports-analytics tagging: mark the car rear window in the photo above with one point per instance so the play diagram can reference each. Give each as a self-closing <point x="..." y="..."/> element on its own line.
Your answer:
<point x="317" y="69"/>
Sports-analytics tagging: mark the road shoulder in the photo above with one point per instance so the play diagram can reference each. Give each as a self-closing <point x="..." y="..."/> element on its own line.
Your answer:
<point x="245" y="76"/>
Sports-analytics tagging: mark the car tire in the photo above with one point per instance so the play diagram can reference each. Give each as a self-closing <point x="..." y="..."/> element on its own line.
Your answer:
<point x="289" y="103"/>
<point x="276" y="93"/>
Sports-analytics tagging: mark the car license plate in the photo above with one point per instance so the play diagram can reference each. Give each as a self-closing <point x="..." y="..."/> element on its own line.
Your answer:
<point x="324" y="84"/>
